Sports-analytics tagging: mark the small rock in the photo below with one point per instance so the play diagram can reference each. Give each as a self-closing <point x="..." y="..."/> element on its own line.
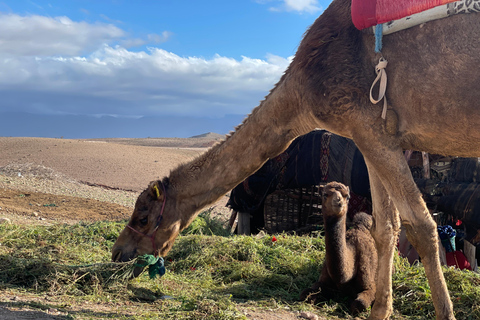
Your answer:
<point x="53" y="311"/>
<point x="308" y="315"/>
<point x="166" y="297"/>
<point x="35" y="214"/>
<point x="41" y="218"/>
<point x="5" y="220"/>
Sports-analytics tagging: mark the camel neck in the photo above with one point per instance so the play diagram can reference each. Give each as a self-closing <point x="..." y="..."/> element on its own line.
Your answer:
<point x="336" y="248"/>
<point x="335" y="229"/>
<point x="263" y="135"/>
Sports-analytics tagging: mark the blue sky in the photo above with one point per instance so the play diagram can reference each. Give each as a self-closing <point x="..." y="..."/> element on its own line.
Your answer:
<point x="138" y="59"/>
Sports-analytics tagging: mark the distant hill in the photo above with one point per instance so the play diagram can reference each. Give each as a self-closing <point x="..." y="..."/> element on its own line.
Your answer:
<point x="210" y="135"/>
<point x="201" y="141"/>
<point x="85" y="127"/>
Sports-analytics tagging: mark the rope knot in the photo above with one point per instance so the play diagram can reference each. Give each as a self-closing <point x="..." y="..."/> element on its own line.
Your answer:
<point x="382" y="77"/>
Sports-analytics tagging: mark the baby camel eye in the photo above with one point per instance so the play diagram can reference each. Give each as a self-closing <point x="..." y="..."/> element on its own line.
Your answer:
<point x="143" y="221"/>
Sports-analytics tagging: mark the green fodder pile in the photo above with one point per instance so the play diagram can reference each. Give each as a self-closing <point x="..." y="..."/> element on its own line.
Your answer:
<point x="210" y="273"/>
<point x="60" y="259"/>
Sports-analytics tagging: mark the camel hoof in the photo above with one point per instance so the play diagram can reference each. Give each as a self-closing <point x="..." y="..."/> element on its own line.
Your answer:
<point x="376" y="316"/>
<point x="309" y="295"/>
<point x="358" y="306"/>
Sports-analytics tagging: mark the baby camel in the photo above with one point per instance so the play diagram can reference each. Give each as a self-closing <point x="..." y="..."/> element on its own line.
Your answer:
<point x="351" y="257"/>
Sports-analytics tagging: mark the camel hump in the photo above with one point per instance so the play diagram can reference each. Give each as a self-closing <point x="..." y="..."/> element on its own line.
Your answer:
<point x="362" y="219"/>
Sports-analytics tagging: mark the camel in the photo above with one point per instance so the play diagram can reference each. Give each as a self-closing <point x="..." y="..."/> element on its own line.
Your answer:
<point x="434" y="106"/>
<point x="351" y="257"/>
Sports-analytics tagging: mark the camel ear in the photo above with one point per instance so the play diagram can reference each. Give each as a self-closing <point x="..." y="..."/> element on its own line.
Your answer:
<point x="348" y="192"/>
<point x="156" y="190"/>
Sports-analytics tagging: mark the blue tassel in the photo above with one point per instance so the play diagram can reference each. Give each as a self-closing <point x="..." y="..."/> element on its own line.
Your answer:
<point x="378" y="37"/>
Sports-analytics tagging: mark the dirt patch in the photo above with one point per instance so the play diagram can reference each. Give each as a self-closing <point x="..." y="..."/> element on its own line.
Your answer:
<point x="108" y="170"/>
<point x="124" y="166"/>
<point x="19" y="206"/>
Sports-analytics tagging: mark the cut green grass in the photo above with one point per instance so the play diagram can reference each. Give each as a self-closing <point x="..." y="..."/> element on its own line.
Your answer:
<point x="210" y="274"/>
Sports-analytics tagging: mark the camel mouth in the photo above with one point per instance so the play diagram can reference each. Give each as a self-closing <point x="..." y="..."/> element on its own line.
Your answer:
<point x="338" y="205"/>
<point x="116" y="256"/>
<point x="120" y="257"/>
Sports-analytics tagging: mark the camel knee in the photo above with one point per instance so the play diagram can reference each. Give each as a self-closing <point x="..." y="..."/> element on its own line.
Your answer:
<point x="422" y="235"/>
<point x="385" y="235"/>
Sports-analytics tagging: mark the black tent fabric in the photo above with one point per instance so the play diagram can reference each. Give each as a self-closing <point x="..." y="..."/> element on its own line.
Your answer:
<point x="311" y="159"/>
<point x="321" y="156"/>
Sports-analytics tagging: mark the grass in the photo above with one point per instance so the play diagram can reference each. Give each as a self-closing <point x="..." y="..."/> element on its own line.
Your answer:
<point x="210" y="275"/>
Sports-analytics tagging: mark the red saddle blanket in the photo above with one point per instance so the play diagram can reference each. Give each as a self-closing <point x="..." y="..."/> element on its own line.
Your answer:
<point x="367" y="13"/>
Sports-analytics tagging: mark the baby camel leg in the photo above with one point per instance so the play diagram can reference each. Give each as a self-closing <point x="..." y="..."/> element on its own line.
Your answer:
<point x="391" y="169"/>
<point x="385" y="229"/>
<point x="366" y="281"/>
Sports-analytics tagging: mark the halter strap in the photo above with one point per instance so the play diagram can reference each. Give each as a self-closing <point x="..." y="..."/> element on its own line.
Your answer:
<point x="159" y="219"/>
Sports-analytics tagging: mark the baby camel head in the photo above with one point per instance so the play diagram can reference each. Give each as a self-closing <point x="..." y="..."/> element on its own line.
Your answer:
<point x="335" y="198"/>
<point x="152" y="228"/>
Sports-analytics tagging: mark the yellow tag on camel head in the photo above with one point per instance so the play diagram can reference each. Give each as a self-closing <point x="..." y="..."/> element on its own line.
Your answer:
<point x="157" y="191"/>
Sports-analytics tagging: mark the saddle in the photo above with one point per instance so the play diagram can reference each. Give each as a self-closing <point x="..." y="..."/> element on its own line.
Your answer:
<point x="368" y="13"/>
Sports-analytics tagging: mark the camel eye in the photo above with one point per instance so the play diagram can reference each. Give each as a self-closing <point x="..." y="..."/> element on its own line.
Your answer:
<point x="143" y="221"/>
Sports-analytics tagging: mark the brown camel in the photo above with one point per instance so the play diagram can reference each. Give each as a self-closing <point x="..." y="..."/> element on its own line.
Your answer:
<point x="351" y="258"/>
<point x="433" y="76"/>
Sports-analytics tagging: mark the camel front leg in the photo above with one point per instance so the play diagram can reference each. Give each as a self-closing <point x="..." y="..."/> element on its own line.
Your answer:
<point x="391" y="169"/>
<point x="386" y="226"/>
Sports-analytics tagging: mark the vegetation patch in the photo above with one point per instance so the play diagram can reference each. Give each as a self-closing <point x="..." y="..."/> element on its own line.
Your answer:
<point x="210" y="275"/>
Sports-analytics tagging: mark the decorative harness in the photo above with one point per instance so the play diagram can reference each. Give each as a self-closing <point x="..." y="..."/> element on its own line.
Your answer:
<point x="159" y="219"/>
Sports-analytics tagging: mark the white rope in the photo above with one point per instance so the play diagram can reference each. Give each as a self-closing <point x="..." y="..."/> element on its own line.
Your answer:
<point x="382" y="77"/>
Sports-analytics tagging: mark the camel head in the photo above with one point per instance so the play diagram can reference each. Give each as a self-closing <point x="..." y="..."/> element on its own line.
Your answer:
<point x="335" y="198"/>
<point x="152" y="228"/>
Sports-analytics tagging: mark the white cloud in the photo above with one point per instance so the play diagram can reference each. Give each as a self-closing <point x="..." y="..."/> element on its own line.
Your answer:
<point x="310" y="6"/>
<point x="152" y="38"/>
<point x="59" y="66"/>
<point x="38" y="35"/>
<point x="301" y="6"/>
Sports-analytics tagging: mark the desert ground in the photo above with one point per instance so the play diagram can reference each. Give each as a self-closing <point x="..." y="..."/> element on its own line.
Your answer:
<point x="91" y="179"/>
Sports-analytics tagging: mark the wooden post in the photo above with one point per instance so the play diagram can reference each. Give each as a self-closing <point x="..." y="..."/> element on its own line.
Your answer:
<point x="243" y="223"/>
<point x="426" y="165"/>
